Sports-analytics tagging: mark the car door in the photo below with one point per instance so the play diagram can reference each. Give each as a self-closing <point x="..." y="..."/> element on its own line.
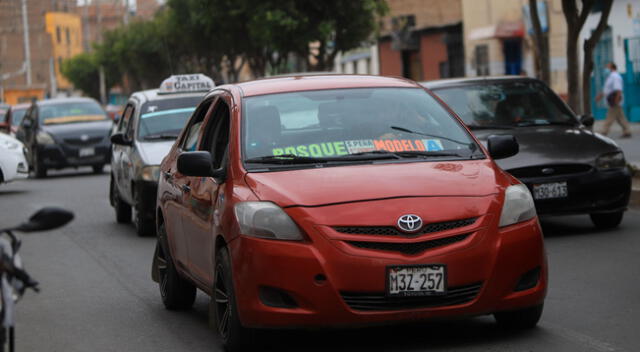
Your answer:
<point x="200" y="225"/>
<point x="122" y="163"/>
<point x="181" y="184"/>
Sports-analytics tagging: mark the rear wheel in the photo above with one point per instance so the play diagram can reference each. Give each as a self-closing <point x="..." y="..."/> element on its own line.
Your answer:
<point x="520" y="319"/>
<point x="607" y="221"/>
<point x="223" y="311"/>
<point x="122" y="209"/>
<point x="176" y="292"/>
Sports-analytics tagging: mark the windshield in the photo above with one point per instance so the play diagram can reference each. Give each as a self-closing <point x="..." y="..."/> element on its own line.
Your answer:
<point x="305" y="127"/>
<point x="164" y="119"/>
<point x="514" y="104"/>
<point x="71" y="112"/>
<point x="17" y="115"/>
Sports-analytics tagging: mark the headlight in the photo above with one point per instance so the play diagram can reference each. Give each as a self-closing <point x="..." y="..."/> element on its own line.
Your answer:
<point x="10" y="145"/>
<point x="266" y="220"/>
<point x="44" y="138"/>
<point x="610" y="160"/>
<point x="151" y="173"/>
<point x="518" y="205"/>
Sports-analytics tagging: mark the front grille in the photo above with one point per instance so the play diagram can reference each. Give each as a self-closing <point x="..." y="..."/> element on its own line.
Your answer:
<point x="409" y="248"/>
<point x="378" y="301"/>
<point x="392" y="231"/>
<point x="78" y="141"/>
<point x="549" y="170"/>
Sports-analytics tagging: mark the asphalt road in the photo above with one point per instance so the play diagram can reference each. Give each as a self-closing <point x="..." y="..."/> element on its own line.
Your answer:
<point x="97" y="294"/>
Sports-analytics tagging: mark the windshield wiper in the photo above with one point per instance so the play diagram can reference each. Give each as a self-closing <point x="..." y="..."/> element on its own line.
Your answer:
<point x="490" y="127"/>
<point x="471" y="145"/>
<point x="546" y="123"/>
<point x="295" y="159"/>
<point x="160" y="136"/>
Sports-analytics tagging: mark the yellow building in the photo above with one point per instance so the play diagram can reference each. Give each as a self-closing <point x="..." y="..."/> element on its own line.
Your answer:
<point x="66" y="37"/>
<point x="497" y="41"/>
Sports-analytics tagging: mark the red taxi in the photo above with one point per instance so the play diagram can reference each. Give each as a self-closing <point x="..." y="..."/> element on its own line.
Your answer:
<point x="323" y="201"/>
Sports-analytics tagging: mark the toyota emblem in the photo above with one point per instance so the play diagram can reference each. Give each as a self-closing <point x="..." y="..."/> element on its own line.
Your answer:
<point x="84" y="138"/>
<point x="410" y="223"/>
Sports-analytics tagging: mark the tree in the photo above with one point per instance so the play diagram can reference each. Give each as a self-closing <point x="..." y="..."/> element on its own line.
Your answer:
<point x="589" y="46"/>
<point x="82" y="72"/>
<point x="541" y="44"/>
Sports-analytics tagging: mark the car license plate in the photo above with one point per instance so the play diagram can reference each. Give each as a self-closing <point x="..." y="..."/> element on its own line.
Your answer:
<point x="423" y="280"/>
<point x="86" y="152"/>
<point x="550" y="190"/>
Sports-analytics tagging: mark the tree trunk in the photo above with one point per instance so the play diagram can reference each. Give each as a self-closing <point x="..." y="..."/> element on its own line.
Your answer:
<point x="541" y="43"/>
<point x="589" y="46"/>
<point x="573" y="73"/>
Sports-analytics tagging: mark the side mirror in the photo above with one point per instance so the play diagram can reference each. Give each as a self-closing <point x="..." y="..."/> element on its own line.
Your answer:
<point x="116" y="118"/>
<point x="501" y="147"/>
<point x="199" y="164"/>
<point x="120" y="139"/>
<point x="46" y="219"/>
<point x="587" y="120"/>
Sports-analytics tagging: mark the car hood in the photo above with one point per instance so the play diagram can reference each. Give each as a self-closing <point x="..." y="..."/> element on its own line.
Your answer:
<point x="91" y="129"/>
<point x="152" y="153"/>
<point x="544" y="145"/>
<point x="343" y="184"/>
<point x="7" y="138"/>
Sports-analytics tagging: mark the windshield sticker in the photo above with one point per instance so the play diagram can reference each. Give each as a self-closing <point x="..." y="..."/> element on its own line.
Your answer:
<point x="327" y="149"/>
<point x="79" y="118"/>
<point x="167" y="112"/>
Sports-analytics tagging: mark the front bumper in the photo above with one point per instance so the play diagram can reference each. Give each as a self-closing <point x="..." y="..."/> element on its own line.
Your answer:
<point x="493" y="260"/>
<point x="57" y="156"/>
<point x="596" y="191"/>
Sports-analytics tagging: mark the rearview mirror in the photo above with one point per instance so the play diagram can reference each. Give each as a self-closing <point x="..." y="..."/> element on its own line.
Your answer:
<point x="587" y="120"/>
<point x="198" y="164"/>
<point x="46" y="219"/>
<point x="120" y="139"/>
<point x="501" y="147"/>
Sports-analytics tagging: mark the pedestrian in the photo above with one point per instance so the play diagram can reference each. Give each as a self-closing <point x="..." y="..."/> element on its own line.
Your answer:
<point x="613" y="93"/>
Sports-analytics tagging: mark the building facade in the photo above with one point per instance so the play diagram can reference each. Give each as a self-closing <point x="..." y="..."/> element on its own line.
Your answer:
<point x="422" y="40"/>
<point x="66" y="39"/>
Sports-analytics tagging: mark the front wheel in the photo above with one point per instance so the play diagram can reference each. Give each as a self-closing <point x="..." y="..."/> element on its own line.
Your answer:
<point x="145" y="226"/>
<point x="97" y="169"/>
<point x="519" y="319"/>
<point x="122" y="209"/>
<point x="223" y="310"/>
<point x="607" y="221"/>
<point x="176" y="292"/>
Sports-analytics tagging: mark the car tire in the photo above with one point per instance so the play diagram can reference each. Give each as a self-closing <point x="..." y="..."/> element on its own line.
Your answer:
<point x="519" y="319"/>
<point x="144" y="226"/>
<point x="223" y="310"/>
<point x="38" y="169"/>
<point x="607" y="221"/>
<point x="97" y="169"/>
<point x="176" y="292"/>
<point x="122" y="209"/>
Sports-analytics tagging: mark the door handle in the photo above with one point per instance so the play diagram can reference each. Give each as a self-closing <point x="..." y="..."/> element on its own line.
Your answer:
<point x="186" y="189"/>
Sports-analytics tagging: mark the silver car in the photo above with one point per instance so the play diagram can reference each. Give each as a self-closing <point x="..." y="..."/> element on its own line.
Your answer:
<point x="150" y="123"/>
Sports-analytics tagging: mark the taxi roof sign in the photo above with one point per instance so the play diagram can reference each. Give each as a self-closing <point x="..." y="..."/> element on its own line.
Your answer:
<point x="196" y="82"/>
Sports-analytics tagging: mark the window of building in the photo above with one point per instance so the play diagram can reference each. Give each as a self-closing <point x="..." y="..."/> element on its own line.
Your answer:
<point x="68" y="36"/>
<point x="58" y="35"/>
<point x="482" y="60"/>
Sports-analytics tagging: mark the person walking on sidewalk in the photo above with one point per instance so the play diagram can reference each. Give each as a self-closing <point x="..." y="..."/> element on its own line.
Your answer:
<point x="612" y="91"/>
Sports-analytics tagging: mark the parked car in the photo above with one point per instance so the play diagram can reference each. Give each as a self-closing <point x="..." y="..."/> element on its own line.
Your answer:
<point x="151" y="122"/>
<point x="568" y="168"/>
<point x="12" y="118"/>
<point x="65" y="132"/>
<point x="4" y="109"/>
<point x="342" y="201"/>
<point x="13" y="164"/>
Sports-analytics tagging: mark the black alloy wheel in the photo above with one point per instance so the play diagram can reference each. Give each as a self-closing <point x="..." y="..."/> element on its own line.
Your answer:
<point x="223" y="311"/>
<point x="176" y="292"/>
<point x="521" y="319"/>
<point x="122" y="209"/>
<point x="607" y="221"/>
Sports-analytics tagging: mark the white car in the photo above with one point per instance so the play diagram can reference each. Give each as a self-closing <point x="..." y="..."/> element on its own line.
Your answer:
<point x="13" y="164"/>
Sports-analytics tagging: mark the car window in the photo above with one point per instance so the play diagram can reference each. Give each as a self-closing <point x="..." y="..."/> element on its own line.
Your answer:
<point x="71" y="112"/>
<point x="164" y="119"/>
<point x="190" y="138"/>
<point x="216" y="139"/>
<point x="339" y="122"/>
<point x="509" y="103"/>
<point x="126" y="117"/>
<point x="17" y="115"/>
<point x="129" y="129"/>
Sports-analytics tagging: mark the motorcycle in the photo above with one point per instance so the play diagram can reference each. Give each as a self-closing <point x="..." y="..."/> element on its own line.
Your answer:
<point x="14" y="280"/>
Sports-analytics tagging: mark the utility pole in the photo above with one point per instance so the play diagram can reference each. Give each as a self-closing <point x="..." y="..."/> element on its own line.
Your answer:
<point x="27" y="49"/>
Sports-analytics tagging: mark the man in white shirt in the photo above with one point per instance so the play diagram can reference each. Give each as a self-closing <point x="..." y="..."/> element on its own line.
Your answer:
<point x="612" y="91"/>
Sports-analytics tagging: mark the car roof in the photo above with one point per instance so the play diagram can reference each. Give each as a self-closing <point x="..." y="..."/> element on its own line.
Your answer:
<point x="152" y="95"/>
<point x="451" y="82"/>
<point x="296" y="83"/>
<point x="65" y="101"/>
